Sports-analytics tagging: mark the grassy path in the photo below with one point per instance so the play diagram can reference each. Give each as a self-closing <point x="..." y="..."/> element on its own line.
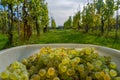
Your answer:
<point x="67" y="36"/>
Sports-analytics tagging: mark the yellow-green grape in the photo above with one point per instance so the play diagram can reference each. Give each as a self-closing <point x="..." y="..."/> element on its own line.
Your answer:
<point x="77" y="59"/>
<point x="106" y="77"/>
<point x="87" y="51"/>
<point x="106" y="70"/>
<point x="63" y="68"/>
<point x="35" y="77"/>
<point x="18" y="71"/>
<point x="13" y="76"/>
<point x="46" y="61"/>
<point x="97" y="68"/>
<point x="95" y="55"/>
<point x="97" y="75"/>
<point x="90" y="66"/>
<point x="47" y="75"/>
<point x="49" y="50"/>
<point x="65" y="61"/>
<point x="92" y="50"/>
<point x="73" y="51"/>
<point x="43" y="50"/>
<point x="51" y="55"/>
<point x="73" y="62"/>
<point x="25" y="61"/>
<point x="63" y="54"/>
<point x="117" y="78"/>
<point x="70" y="72"/>
<point x="32" y="69"/>
<point x="15" y="65"/>
<point x="102" y="74"/>
<point x="113" y="65"/>
<point x="81" y="67"/>
<point x="83" y="74"/>
<point x="98" y="63"/>
<point x="113" y="73"/>
<point x="60" y="65"/>
<point x="24" y="77"/>
<point x="56" y="78"/>
<point x="88" y="78"/>
<point x="32" y="58"/>
<point x="51" y="71"/>
<point x="56" y="62"/>
<point x="38" y="55"/>
<point x="42" y="72"/>
<point x="4" y="75"/>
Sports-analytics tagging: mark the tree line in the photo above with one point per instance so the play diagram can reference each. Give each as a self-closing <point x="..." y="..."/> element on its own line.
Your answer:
<point x="24" y="17"/>
<point x="99" y="16"/>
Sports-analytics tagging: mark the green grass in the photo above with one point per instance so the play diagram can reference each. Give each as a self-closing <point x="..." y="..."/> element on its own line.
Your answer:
<point x="69" y="36"/>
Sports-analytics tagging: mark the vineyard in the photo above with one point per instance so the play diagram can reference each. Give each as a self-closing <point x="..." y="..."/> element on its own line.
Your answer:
<point x="28" y="22"/>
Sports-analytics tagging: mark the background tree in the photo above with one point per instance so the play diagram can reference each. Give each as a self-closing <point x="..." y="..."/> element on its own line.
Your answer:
<point x="26" y="16"/>
<point x="53" y="23"/>
<point x="10" y="5"/>
<point x="109" y="12"/>
<point x="45" y="18"/>
<point x="68" y="23"/>
<point x="100" y="7"/>
<point x="76" y="21"/>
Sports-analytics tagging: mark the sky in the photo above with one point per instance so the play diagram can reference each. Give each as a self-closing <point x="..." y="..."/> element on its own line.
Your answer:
<point x="60" y="10"/>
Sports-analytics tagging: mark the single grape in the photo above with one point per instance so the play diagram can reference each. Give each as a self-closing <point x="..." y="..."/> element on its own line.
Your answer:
<point x="113" y="65"/>
<point x="18" y="71"/>
<point x="113" y="73"/>
<point x="15" y="65"/>
<point x="65" y="61"/>
<point x="77" y="59"/>
<point x="74" y="62"/>
<point x="83" y="75"/>
<point x="106" y="70"/>
<point x="32" y="69"/>
<point x="88" y="78"/>
<point x="60" y="65"/>
<point x="51" y="55"/>
<point x="97" y="75"/>
<point x="98" y="63"/>
<point x="25" y="61"/>
<point x="102" y="73"/>
<point x="42" y="72"/>
<point x="51" y="71"/>
<point x="90" y="66"/>
<point x="87" y="50"/>
<point x="73" y="51"/>
<point x="35" y="77"/>
<point x="13" y="76"/>
<point x="70" y="72"/>
<point x="24" y="77"/>
<point x="80" y="67"/>
<point x="106" y="77"/>
<point x="4" y="75"/>
<point x="63" y="69"/>
<point x="56" y="78"/>
<point x="92" y="50"/>
<point x="47" y="75"/>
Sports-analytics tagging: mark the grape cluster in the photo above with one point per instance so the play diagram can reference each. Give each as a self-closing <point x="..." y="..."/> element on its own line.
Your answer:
<point x="63" y="64"/>
<point x="16" y="71"/>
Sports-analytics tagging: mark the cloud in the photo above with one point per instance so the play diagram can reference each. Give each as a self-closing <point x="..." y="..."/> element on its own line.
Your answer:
<point x="62" y="9"/>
